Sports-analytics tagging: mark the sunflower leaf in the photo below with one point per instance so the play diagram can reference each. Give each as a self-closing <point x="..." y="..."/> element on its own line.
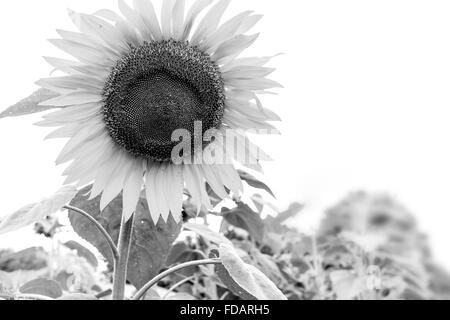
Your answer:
<point x="150" y="244"/>
<point x="37" y="211"/>
<point x="181" y="253"/>
<point x="30" y="105"/>
<point x="255" y="183"/>
<point x="44" y="287"/>
<point x="244" y="217"/>
<point x="247" y="280"/>
<point x="207" y="233"/>
<point x="82" y="252"/>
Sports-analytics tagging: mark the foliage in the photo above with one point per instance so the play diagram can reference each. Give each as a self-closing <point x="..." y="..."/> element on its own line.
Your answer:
<point x="366" y="247"/>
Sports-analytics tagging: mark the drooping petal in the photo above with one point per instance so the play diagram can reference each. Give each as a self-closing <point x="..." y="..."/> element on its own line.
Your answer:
<point x="193" y="182"/>
<point x="214" y="181"/>
<point x="150" y="189"/>
<point x="163" y="203"/>
<point x="116" y="181"/>
<point x="132" y="189"/>
<point x="86" y="133"/>
<point x="230" y="178"/>
<point x="174" y="190"/>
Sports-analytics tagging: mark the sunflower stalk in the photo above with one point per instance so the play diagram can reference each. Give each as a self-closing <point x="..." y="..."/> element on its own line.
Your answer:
<point x="121" y="264"/>
<point x="105" y="234"/>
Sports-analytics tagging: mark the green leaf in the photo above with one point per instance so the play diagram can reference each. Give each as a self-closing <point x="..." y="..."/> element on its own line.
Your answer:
<point x="245" y="218"/>
<point x="44" y="287"/>
<point x="181" y="253"/>
<point x="34" y="258"/>
<point x="249" y="279"/>
<point x="255" y="183"/>
<point x="150" y="244"/>
<point x="228" y="281"/>
<point x="35" y="212"/>
<point x="207" y="233"/>
<point x="30" y="105"/>
<point x="82" y="252"/>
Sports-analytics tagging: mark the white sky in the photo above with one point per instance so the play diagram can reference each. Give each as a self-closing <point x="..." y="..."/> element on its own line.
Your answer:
<point x="366" y="102"/>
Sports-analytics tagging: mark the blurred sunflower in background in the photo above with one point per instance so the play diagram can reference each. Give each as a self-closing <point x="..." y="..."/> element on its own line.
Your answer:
<point x="135" y="80"/>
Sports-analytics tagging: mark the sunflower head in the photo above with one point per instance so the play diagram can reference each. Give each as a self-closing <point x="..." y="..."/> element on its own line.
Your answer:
<point x="135" y="80"/>
<point x="158" y="88"/>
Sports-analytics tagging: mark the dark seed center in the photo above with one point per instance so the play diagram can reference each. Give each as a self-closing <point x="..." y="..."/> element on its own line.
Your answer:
<point x="158" y="88"/>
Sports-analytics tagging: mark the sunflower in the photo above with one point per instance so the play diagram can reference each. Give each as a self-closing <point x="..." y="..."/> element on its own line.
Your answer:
<point x="134" y="80"/>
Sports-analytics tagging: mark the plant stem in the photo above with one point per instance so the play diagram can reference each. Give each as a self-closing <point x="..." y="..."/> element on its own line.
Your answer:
<point x="109" y="240"/>
<point x="141" y="293"/>
<point x="120" y="267"/>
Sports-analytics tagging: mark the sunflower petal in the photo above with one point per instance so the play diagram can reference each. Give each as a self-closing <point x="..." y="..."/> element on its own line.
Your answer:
<point x="210" y="21"/>
<point x="82" y="52"/>
<point x="253" y="84"/>
<point x="76" y="98"/>
<point x="132" y="190"/>
<point x="86" y="133"/>
<point x="103" y="174"/>
<point x="193" y="182"/>
<point x="249" y="23"/>
<point x="163" y="203"/>
<point x="253" y="61"/>
<point x="247" y="72"/>
<point x="116" y="182"/>
<point x="225" y="32"/>
<point x="109" y="15"/>
<point x="102" y="30"/>
<point x="147" y="12"/>
<point x="230" y="177"/>
<point x="174" y="190"/>
<point x="192" y="15"/>
<point x="166" y="18"/>
<point x="178" y="19"/>
<point x="214" y="181"/>
<point x="135" y="19"/>
<point x="150" y="190"/>
<point x="234" y="47"/>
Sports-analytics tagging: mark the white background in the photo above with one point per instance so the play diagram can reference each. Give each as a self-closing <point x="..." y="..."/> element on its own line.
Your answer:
<point x="365" y="106"/>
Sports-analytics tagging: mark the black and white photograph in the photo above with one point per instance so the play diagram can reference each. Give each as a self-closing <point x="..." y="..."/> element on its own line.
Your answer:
<point x="184" y="152"/>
